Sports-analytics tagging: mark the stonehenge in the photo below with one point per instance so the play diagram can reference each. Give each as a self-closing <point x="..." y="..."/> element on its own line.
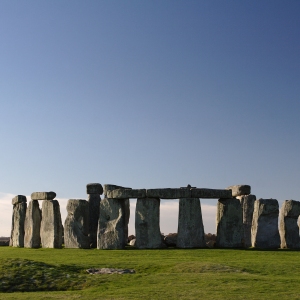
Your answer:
<point x="241" y="220"/>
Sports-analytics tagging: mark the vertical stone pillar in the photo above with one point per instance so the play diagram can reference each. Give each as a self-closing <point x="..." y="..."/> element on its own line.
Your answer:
<point x="147" y="229"/>
<point x="18" y="219"/>
<point x="229" y="223"/>
<point x="288" y="227"/>
<point x="76" y="229"/>
<point x="247" y="203"/>
<point x="265" y="232"/>
<point x="51" y="225"/>
<point x="190" y="224"/>
<point x="32" y="237"/>
<point x="94" y="190"/>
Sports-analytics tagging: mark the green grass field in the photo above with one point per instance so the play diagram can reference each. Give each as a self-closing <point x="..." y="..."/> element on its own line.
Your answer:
<point x="160" y="274"/>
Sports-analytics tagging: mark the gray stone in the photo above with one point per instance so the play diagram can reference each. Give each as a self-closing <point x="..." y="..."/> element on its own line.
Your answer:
<point x="18" y="199"/>
<point x="111" y="187"/>
<point x="210" y="193"/>
<point x="113" y="224"/>
<point x="94" y="210"/>
<point x="169" y="193"/>
<point x="94" y="188"/>
<point x="126" y="193"/>
<point x="229" y="223"/>
<point x="32" y="238"/>
<point x="43" y="196"/>
<point x="247" y="203"/>
<point x="170" y="239"/>
<point x="76" y="229"/>
<point x="240" y="190"/>
<point x="132" y="242"/>
<point x="190" y="225"/>
<point x="17" y="228"/>
<point x="288" y="227"/>
<point x="264" y="231"/>
<point x="147" y="228"/>
<point x="51" y="225"/>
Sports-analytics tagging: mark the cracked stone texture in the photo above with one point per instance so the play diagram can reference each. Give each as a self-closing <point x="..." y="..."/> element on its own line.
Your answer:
<point x="94" y="212"/>
<point x="18" y="221"/>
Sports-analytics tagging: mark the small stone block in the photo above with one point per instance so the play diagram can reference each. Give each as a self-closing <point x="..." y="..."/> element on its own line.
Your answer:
<point x="169" y="193"/>
<point x="111" y="187"/>
<point x="240" y="190"/>
<point x="18" y="199"/>
<point x="43" y="195"/>
<point x="94" y="188"/>
<point x="126" y="193"/>
<point x="210" y="193"/>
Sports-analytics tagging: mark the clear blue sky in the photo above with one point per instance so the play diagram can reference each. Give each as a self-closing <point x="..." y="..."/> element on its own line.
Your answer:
<point x="150" y="94"/>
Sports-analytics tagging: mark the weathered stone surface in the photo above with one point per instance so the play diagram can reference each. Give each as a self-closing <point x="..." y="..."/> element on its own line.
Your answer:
<point x="32" y="238"/>
<point x="190" y="225"/>
<point x="43" y="195"/>
<point x="264" y="231"/>
<point x="111" y="187"/>
<point x="94" y="211"/>
<point x="126" y="193"/>
<point x="51" y="225"/>
<point x="113" y="223"/>
<point x="170" y="239"/>
<point x="169" y="193"/>
<point x="94" y="188"/>
<point x="147" y="223"/>
<point x="17" y="228"/>
<point x="76" y="229"/>
<point x="229" y="223"/>
<point x="288" y="227"/>
<point x="240" y="190"/>
<point x="247" y="203"/>
<point x="18" y="199"/>
<point x="210" y="193"/>
<point x="132" y="242"/>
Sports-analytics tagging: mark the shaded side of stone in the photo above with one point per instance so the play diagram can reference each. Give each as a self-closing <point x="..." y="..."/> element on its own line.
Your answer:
<point x="190" y="224"/>
<point x="17" y="228"/>
<point x="264" y="233"/>
<point x="51" y="225"/>
<point x="229" y="224"/>
<point x="18" y="199"/>
<point x="94" y="211"/>
<point x="288" y="227"/>
<point x="240" y="190"/>
<point x="94" y="188"/>
<point x="32" y="238"/>
<point x="148" y="235"/>
<point x="76" y="229"/>
<point x="210" y="193"/>
<point x="247" y="203"/>
<point x="113" y="223"/>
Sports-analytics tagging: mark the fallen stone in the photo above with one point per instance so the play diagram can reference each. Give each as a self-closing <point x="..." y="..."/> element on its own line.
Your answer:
<point x="76" y="229"/>
<point x="169" y="193"/>
<point x="264" y="231"/>
<point x="170" y="239"/>
<point x="126" y="193"/>
<point x="147" y="228"/>
<point x="32" y="237"/>
<point x="210" y="193"/>
<point x="190" y="225"/>
<point x="247" y="203"/>
<point x="110" y="271"/>
<point x="18" y="220"/>
<point x="111" y="187"/>
<point x="43" y="196"/>
<point x="288" y="227"/>
<point x="18" y="199"/>
<point x="94" y="188"/>
<point x="240" y="190"/>
<point x="229" y="223"/>
<point x="94" y="211"/>
<point x="132" y="242"/>
<point x="51" y="225"/>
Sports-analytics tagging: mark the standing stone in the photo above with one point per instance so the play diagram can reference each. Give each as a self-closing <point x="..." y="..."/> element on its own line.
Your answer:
<point x="288" y="227"/>
<point x="32" y="238"/>
<point x="18" y="220"/>
<point x="229" y="223"/>
<point x="51" y="225"/>
<point x="190" y="225"/>
<point x="113" y="223"/>
<point x="76" y="229"/>
<point x="265" y="232"/>
<point x="148" y="235"/>
<point x="247" y="203"/>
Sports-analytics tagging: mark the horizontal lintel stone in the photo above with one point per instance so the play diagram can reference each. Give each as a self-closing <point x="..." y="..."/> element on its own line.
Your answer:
<point x="169" y="193"/>
<point x="94" y="188"/>
<point x="126" y="193"/>
<point x="18" y="199"/>
<point x="210" y="193"/>
<point x="240" y="190"/>
<point x="43" y="195"/>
